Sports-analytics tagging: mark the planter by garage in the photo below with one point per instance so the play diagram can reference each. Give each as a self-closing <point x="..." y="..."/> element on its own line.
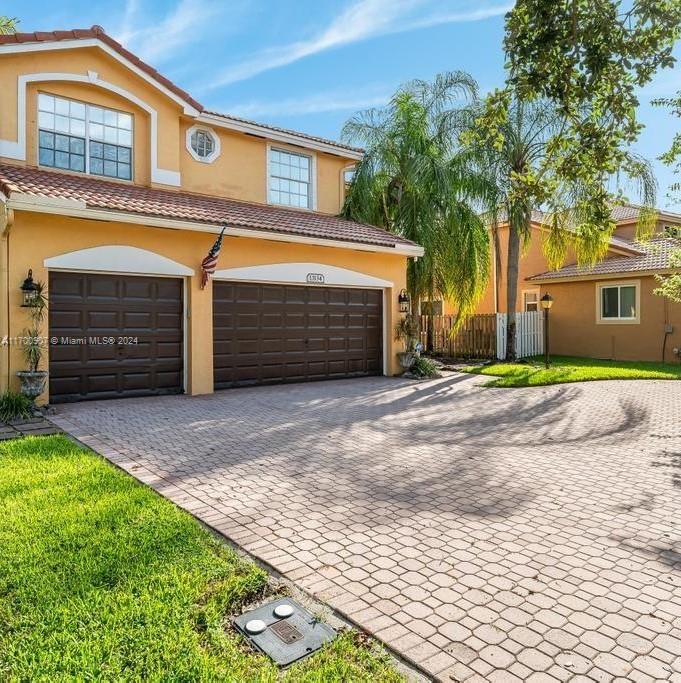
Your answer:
<point x="32" y="382"/>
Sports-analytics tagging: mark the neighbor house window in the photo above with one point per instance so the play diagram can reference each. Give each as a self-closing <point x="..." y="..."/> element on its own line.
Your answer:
<point x="290" y="179"/>
<point x="618" y="302"/>
<point x="75" y="136"/>
<point x="531" y="300"/>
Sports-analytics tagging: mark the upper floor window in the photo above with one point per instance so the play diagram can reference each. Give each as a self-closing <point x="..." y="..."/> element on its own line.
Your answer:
<point x="203" y="144"/>
<point x="672" y="231"/>
<point x="75" y="136"/>
<point x="348" y="175"/>
<point x="290" y="179"/>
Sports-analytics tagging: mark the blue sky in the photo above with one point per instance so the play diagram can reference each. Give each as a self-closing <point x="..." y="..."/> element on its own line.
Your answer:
<point x="309" y="65"/>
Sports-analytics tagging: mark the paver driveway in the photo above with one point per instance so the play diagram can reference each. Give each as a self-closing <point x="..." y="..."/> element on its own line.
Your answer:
<point x="485" y="534"/>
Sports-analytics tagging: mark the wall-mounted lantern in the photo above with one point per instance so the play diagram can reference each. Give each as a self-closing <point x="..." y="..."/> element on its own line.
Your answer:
<point x="404" y="301"/>
<point x="29" y="291"/>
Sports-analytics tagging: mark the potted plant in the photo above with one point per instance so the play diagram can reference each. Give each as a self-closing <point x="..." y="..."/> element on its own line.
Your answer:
<point x="407" y="331"/>
<point x="33" y="379"/>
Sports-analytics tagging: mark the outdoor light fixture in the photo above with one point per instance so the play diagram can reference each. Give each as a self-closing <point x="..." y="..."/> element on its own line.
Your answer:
<point x="29" y="290"/>
<point x="546" y="303"/>
<point x="403" y="300"/>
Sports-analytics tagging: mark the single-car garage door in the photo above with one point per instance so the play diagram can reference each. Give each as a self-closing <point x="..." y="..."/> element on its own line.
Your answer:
<point x="114" y="336"/>
<point x="265" y="333"/>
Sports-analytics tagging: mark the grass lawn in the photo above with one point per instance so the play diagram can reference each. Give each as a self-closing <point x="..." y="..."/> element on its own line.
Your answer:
<point x="532" y="373"/>
<point x="101" y="578"/>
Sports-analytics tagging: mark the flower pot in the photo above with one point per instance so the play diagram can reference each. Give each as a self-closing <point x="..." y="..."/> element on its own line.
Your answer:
<point x="406" y="359"/>
<point x="32" y="382"/>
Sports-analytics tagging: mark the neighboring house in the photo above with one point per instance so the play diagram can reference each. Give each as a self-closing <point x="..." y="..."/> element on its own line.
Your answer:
<point x="610" y="310"/>
<point x="114" y="184"/>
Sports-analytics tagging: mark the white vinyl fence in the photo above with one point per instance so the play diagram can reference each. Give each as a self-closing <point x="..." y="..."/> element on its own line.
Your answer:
<point x="529" y="334"/>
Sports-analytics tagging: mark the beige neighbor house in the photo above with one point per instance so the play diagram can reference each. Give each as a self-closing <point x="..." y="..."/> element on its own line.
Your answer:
<point x="114" y="184"/>
<point x="608" y="311"/>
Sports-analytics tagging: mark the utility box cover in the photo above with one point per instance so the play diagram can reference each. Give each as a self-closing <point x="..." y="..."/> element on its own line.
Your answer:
<point x="288" y="639"/>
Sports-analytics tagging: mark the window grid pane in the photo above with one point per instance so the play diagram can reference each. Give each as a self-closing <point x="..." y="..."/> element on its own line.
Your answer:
<point x="68" y="128"/>
<point x="627" y="302"/>
<point x="289" y="179"/>
<point x="609" y="302"/>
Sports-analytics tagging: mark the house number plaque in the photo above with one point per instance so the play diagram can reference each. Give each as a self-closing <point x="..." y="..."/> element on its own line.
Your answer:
<point x="315" y="278"/>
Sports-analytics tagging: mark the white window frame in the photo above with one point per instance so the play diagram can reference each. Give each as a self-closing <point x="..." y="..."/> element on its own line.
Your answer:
<point x="86" y="138"/>
<point x="600" y="320"/>
<point x="530" y="291"/>
<point x="216" y="144"/>
<point x="313" y="175"/>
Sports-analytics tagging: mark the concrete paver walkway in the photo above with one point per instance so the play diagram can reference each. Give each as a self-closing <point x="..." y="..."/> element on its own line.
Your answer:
<point x="485" y="534"/>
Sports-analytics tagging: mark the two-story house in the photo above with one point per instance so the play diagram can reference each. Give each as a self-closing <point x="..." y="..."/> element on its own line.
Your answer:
<point x="114" y="184"/>
<point x="608" y="311"/>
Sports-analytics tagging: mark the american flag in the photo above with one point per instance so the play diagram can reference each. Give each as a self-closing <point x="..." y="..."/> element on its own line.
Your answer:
<point x="209" y="264"/>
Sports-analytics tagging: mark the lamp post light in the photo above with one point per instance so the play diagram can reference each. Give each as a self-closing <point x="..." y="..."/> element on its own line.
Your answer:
<point x="546" y="303"/>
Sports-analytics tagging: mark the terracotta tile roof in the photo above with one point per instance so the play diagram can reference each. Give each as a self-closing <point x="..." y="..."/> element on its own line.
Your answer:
<point x="288" y="131"/>
<point x="654" y="256"/>
<point x="131" y="199"/>
<point x="627" y="213"/>
<point x="99" y="33"/>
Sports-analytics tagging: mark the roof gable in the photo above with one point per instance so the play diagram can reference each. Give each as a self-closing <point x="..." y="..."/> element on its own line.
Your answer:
<point x="96" y="36"/>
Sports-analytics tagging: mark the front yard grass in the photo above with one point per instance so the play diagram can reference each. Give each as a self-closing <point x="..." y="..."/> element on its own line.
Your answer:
<point x="531" y="372"/>
<point x="102" y="579"/>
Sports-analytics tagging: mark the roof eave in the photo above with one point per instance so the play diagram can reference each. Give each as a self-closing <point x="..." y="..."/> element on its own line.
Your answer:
<point x="79" y="209"/>
<point x="279" y="136"/>
<point x="585" y="277"/>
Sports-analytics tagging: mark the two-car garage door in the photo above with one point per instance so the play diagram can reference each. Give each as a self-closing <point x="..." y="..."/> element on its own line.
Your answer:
<point x="121" y="335"/>
<point x="269" y="333"/>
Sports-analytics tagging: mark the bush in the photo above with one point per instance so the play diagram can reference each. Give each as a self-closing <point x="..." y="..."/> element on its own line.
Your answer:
<point x="14" y="406"/>
<point x="424" y="367"/>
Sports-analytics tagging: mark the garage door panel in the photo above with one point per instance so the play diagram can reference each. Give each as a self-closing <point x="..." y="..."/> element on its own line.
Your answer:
<point x="96" y="308"/>
<point x="294" y="333"/>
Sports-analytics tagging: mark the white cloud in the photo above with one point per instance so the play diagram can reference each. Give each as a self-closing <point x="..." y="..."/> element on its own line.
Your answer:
<point x="335" y="100"/>
<point x="362" y="20"/>
<point x="160" y="39"/>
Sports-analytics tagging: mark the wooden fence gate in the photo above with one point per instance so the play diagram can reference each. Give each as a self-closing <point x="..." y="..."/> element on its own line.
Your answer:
<point x="483" y="335"/>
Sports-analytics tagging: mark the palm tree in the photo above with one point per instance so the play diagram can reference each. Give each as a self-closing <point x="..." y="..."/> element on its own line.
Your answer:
<point x="525" y="148"/>
<point x="416" y="181"/>
<point x="7" y="25"/>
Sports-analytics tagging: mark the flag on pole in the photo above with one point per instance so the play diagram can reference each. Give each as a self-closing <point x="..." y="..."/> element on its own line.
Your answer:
<point x="209" y="264"/>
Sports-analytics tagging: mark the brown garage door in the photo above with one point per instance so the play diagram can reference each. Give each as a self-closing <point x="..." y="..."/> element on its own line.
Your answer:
<point x="116" y="336"/>
<point x="265" y="334"/>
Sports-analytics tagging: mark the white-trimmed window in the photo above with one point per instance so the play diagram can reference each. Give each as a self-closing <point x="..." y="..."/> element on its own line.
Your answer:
<point x="75" y="136"/>
<point x="203" y="144"/>
<point x="530" y="300"/>
<point x="289" y="179"/>
<point x="618" y="302"/>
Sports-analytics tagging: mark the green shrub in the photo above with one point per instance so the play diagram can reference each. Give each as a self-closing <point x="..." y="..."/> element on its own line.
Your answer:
<point x="14" y="406"/>
<point x="424" y="367"/>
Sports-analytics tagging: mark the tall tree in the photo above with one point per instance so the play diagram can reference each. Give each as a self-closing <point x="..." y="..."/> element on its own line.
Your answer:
<point x="670" y="285"/>
<point x="518" y="152"/>
<point x="7" y="25"/>
<point x="416" y="181"/>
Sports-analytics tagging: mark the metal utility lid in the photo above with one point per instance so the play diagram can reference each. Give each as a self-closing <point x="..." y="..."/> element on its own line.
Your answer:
<point x="285" y="639"/>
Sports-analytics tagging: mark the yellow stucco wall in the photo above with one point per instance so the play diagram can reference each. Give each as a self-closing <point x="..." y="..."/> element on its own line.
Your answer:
<point x="33" y="237"/>
<point x="575" y="332"/>
<point x="240" y="172"/>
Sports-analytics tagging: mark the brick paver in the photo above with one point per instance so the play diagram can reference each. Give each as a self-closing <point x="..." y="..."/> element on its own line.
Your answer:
<point x="485" y="534"/>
